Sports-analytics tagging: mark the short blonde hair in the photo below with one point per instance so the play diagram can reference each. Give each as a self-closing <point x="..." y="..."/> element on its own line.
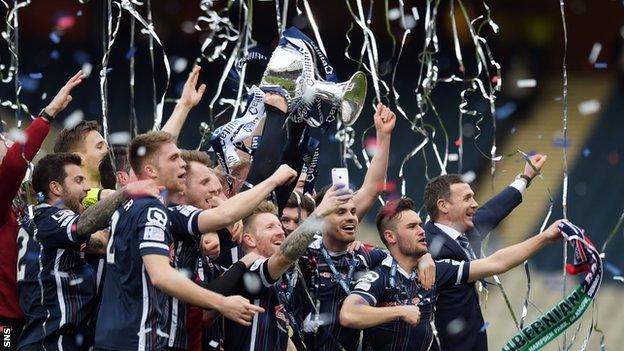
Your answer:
<point x="264" y="207"/>
<point x="196" y="156"/>
<point x="144" y="146"/>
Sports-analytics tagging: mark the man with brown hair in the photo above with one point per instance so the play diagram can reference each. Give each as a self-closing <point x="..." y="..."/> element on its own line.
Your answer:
<point x="85" y="140"/>
<point x="297" y="209"/>
<point x="57" y="287"/>
<point x="389" y="302"/>
<point x="139" y="254"/>
<point x="455" y="231"/>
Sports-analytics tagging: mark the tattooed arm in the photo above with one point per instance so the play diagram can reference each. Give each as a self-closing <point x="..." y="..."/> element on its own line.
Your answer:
<point x="96" y="217"/>
<point x="97" y="242"/>
<point x="297" y="242"/>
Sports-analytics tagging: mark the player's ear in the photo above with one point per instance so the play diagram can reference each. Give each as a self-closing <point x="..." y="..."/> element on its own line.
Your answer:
<point x="442" y="206"/>
<point x="56" y="188"/>
<point x="249" y="240"/>
<point x="389" y="236"/>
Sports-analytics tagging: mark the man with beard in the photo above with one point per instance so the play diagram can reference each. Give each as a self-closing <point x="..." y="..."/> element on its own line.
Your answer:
<point x="455" y="231"/>
<point x="139" y="253"/>
<point x="57" y="287"/>
<point x="267" y="284"/>
<point x="389" y="302"/>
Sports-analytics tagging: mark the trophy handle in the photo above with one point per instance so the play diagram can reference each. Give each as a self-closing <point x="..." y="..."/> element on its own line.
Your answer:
<point x="349" y="96"/>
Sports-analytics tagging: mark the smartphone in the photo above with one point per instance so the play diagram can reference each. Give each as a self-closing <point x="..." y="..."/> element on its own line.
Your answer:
<point x="340" y="176"/>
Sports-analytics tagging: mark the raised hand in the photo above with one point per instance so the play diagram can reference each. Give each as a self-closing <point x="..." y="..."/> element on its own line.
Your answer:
<point x="238" y="309"/>
<point x="334" y="197"/>
<point x="537" y="161"/>
<point x="191" y="96"/>
<point x="385" y="119"/>
<point x="283" y="175"/>
<point x="62" y="98"/>
<point x="553" y="232"/>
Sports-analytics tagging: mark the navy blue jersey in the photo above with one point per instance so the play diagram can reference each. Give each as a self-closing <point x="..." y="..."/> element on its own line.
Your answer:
<point x="185" y="231"/>
<point x="57" y="287"/>
<point x="386" y="286"/>
<point x="207" y="271"/>
<point x="268" y="330"/>
<point x="231" y="251"/>
<point x="328" y="292"/>
<point x="134" y="314"/>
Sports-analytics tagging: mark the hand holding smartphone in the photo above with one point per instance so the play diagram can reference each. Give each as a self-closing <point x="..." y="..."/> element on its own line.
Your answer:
<point x="340" y="176"/>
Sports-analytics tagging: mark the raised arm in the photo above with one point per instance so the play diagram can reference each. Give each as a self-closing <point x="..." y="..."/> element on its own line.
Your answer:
<point x="376" y="175"/>
<point x="296" y="243"/>
<point x="190" y="98"/>
<point x="13" y="166"/>
<point x="356" y="313"/>
<point x="505" y="259"/>
<point x="174" y="283"/>
<point x="97" y="216"/>
<point x="242" y="204"/>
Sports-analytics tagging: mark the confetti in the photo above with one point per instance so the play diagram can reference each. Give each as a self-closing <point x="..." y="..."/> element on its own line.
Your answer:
<point x="415" y="13"/>
<point x="526" y="83"/>
<point x="468" y="177"/>
<point x="79" y="13"/>
<point x="456" y="326"/>
<point x="514" y="130"/>
<point x="561" y="142"/>
<point x="55" y="55"/>
<point x="595" y="51"/>
<point x="188" y="27"/>
<point x="453" y="157"/>
<point x="485" y="326"/>
<point x="120" y="138"/>
<point x="394" y="14"/>
<point x="130" y="53"/>
<point x="18" y="136"/>
<point x="589" y="107"/>
<point x="44" y="95"/>
<point x="76" y="281"/>
<point x="65" y="22"/>
<point x="141" y="151"/>
<point x="179" y="64"/>
<point x="252" y="283"/>
<point x="36" y="75"/>
<point x="506" y="110"/>
<point x="87" y="68"/>
<point x="409" y="22"/>
<point x="55" y="38"/>
<point x="600" y="65"/>
<point x="73" y="119"/>
<point x="586" y="152"/>
<point x="81" y="57"/>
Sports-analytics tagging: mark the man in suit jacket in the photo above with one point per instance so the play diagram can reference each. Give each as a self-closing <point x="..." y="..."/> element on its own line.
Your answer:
<point x="456" y="228"/>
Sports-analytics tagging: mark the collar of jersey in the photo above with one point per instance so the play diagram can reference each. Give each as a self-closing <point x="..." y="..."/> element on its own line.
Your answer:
<point x="388" y="263"/>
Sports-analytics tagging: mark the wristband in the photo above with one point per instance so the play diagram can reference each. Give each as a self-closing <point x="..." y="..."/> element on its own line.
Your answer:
<point x="46" y="115"/>
<point x="525" y="177"/>
<point x="93" y="196"/>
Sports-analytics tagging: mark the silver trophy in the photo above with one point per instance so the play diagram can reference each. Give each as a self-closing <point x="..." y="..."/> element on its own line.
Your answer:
<point x="291" y="72"/>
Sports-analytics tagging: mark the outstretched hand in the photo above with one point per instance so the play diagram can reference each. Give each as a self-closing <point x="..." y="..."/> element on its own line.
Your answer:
<point x="534" y="165"/>
<point x="62" y="98"/>
<point x="238" y="309"/>
<point x="385" y="119"/>
<point x="190" y="96"/>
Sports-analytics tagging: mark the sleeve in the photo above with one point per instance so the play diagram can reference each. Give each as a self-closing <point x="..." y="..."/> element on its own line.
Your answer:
<point x="230" y="282"/>
<point x="494" y="211"/>
<point x="152" y="231"/>
<point x="370" y="286"/>
<point x="184" y="222"/>
<point x="59" y="229"/>
<point x="450" y="272"/>
<point x="376" y="255"/>
<point x="258" y="280"/>
<point x="13" y="166"/>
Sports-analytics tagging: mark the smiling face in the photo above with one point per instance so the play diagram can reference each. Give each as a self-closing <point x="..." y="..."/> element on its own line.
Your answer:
<point x="458" y="210"/>
<point x="93" y="150"/>
<point x="341" y="226"/>
<point x="202" y="185"/>
<point x="408" y="236"/>
<point x="264" y="234"/>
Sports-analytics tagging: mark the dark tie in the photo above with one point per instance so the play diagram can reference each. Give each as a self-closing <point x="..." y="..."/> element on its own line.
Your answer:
<point x="465" y="245"/>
